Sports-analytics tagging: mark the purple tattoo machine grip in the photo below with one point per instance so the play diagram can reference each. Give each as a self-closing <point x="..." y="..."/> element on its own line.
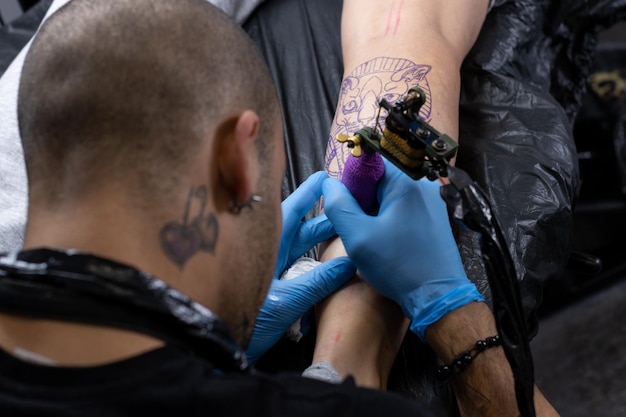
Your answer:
<point x="361" y="175"/>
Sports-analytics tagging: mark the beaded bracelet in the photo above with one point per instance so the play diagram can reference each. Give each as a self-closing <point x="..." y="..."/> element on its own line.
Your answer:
<point x="463" y="359"/>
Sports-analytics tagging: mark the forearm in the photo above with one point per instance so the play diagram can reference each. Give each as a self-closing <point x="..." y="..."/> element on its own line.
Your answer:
<point x="486" y="387"/>
<point x="389" y="47"/>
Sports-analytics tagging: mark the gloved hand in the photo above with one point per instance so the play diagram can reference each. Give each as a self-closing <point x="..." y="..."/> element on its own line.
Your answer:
<point x="288" y="300"/>
<point x="407" y="252"/>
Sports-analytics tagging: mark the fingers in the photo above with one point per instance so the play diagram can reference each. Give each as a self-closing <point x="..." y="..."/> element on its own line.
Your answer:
<point x="399" y="188"/>
<point x="431" y="200"/>
<point x="392" y="173"/>
<point x="310" y="233"/>
<point x="289" y="299"/>
<point x="294" y="208"/>
<point x="340" y="206"/>
<point x="325" y="279"/>
<point x="298" y="204"/>
<point x="394" y="184"/>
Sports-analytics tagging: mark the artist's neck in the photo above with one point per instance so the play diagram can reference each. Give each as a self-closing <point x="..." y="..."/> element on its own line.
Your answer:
<point x="119" y="236"/>
<point x="114" y="235"/>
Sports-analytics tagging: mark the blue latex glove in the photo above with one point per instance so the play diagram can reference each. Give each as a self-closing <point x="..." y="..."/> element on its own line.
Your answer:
<point x="288" y="300"/>
<point x="407" y="252"/>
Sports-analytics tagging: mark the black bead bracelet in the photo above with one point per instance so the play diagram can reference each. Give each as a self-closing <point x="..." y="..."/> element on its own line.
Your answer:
<point x="463" y="359"/>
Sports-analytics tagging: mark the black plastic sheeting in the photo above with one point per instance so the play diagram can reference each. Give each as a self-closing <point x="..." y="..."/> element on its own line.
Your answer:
<point x="522" y="86"/>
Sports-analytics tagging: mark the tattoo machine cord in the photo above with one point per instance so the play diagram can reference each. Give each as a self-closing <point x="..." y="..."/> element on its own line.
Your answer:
<point x="419" y="150"/>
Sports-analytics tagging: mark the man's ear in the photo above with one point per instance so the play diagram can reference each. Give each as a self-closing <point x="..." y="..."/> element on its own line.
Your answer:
<point x="237" y="157"/>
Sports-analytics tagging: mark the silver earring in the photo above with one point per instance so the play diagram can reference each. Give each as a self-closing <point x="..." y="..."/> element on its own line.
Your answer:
<point x="236" y="207"/>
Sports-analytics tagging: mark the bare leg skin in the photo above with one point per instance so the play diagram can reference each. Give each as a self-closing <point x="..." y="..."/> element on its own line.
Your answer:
<point x="358" y="331"/>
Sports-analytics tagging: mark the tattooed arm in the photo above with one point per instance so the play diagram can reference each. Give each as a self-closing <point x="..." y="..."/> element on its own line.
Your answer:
<point x="388" y="47"/>
<point x="393" y="45"/>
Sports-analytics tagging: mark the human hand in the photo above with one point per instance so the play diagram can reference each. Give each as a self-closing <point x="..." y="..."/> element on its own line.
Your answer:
<point x="407" y="252"/>
<point x="300" y="236"/>
<point x="288" y="300"/>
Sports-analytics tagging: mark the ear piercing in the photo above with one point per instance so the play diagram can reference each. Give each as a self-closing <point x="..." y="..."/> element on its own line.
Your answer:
<point x="236" y="207"/>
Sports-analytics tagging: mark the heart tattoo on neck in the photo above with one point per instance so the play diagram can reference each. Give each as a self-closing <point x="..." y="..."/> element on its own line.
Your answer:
<point x="180" y="241"/>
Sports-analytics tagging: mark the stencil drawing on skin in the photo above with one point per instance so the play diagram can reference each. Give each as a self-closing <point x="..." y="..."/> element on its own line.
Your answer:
<point x="361" y="91"/>
<point x="180" y="241"/>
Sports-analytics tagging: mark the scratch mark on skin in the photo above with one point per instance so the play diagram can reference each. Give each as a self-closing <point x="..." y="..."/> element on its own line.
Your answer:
<point x="389" y="20"/>
<point x="397" y="10"/>
<point x="395" y="30"/>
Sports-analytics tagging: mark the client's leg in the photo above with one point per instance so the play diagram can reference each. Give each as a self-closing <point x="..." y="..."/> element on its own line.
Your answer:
<point x="358" y="330"/>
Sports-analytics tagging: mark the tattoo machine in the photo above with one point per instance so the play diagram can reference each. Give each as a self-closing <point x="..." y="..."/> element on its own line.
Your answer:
<point x="419" y="150"/>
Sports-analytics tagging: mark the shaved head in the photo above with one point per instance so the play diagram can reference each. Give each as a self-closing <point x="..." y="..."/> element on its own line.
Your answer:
<point x="128" y="90"/>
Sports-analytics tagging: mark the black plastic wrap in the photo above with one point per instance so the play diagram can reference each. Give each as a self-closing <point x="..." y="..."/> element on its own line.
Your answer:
<point x="522" y="86"/>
